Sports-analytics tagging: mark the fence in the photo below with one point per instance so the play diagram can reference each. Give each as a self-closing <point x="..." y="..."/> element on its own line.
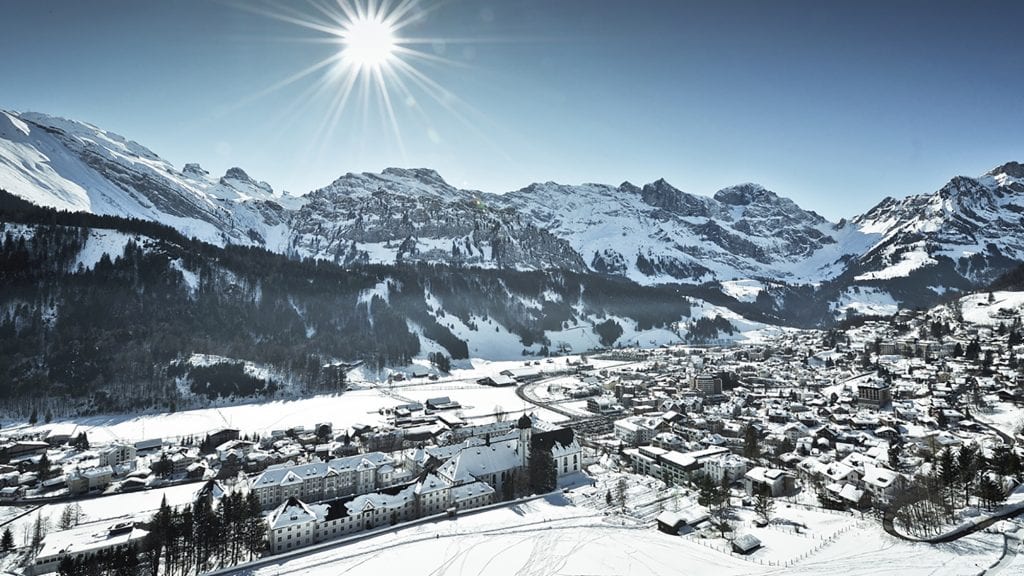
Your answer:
<point x="823" y="542"/>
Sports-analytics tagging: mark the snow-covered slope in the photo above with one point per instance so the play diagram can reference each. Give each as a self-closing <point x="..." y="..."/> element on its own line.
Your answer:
<point x="75" y="166"/>
<point x="658" y="233"/>
<point x="975" y="225"/>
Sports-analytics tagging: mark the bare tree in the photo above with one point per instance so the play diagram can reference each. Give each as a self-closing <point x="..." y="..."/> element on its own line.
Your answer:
<point x="622" y="487"/>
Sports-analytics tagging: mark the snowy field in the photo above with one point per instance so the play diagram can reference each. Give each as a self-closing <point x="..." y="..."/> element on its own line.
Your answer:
<point x="865" y="301"/>
<point x="1004" y="416"/>
<point x="480" y="401"/>
<point x="108" y="509"/>
<point x="361" y="405"/>
<point x="978" y="310"/>
<point x="546" y="537"/>
<point x="743" y="290"/>
<point x="356" y="406"/>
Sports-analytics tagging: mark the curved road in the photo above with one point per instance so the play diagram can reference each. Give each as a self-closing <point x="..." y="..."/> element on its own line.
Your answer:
<point x="956" y="533"/>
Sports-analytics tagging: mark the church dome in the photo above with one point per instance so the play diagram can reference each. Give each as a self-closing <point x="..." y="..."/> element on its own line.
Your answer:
<point x="524" y="422"/>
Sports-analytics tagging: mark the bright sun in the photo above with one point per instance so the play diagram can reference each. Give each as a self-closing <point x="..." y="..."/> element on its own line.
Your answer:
<point x="372" y="63"/>
<point x="368" y="42"/>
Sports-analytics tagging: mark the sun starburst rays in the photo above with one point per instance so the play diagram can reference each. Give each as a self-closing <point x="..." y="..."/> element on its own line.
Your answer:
<point x="372" y="66"/>
<point x="376" y="71"/>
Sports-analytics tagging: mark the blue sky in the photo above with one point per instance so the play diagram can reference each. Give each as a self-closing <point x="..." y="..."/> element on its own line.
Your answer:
<point x="833" y="104"/>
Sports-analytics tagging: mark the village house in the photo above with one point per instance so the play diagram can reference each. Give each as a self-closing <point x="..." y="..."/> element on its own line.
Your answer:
<point x="771" y="481"/>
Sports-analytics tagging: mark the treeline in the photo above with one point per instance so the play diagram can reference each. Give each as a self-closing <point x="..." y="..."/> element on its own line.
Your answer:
<point x="1012" y="280"/>
<point x="223" y="380"/>
<point x="199" y="537"/>
<point x="122" y="561"/>
<point x="707" y="329"/>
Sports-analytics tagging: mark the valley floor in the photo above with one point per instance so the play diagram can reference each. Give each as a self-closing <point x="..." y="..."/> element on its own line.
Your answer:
<point x="362" y="404"/>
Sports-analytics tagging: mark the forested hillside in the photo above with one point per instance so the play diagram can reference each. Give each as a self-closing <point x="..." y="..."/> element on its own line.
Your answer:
<point x="91" y="332"/>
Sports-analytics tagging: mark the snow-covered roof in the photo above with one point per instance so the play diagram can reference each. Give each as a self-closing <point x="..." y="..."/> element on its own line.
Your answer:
<point x="878" y="476"/>
<point x="381" y="500"/>
<point x="431" y="483"/>
<point x="479" y="461"/>
<point x="292" y="512"/>
<point x="472" y="490"/>
<point x="284" y="475"/>
<point x="87" y="539"/>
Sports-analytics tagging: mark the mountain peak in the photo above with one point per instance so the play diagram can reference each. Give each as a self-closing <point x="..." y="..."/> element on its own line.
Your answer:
<point x="237" y="174"/>
<point x="1012" y="169"/>
<point x="628" y="186"/>
<point x="744" y="194"/>
<point x="427" y="175"/>
<point x="195" y="170"/>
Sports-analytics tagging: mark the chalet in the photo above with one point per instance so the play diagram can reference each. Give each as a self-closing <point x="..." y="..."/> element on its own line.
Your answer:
<point x="670" y="522"/>
<point x="9" y="493"/>
<point x="881" y="483"/>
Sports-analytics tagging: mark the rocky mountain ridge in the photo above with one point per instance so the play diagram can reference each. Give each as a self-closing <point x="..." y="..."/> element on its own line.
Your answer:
<point x="912" y="250"/>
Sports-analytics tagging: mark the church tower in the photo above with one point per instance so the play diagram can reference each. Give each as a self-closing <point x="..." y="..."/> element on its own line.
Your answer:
<point x="525" y="426"/>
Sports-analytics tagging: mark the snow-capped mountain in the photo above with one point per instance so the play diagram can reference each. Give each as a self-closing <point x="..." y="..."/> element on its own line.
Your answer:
<point x="973" y="227"/>
<point x="658" y="233"/>
<point x="414" y="215"/>
<point x="75" y="166"/>
<point x="746" y="238"/>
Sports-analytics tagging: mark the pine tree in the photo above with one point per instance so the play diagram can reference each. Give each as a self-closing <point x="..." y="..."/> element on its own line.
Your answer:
<point x="67" y="517"/>
<point x="973" y="349"/>
<point x="990" y="492"/>
<point x="764" y="504"/>
<point x="7" y="541"/>
<point x="208" y="534"/>
<point x="43" y="467"/>
<point x="967" y="463"/>
<point x="894" y="455"/>
<point x="751" y="443"/>
<point x="255" y="526"/>
<point x="947" y="475"/>
<point x="542" y="472"/>
<point x="67" y="567"/>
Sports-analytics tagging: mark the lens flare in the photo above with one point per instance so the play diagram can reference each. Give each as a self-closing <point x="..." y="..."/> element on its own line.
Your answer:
<point x="367" y="43"/>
